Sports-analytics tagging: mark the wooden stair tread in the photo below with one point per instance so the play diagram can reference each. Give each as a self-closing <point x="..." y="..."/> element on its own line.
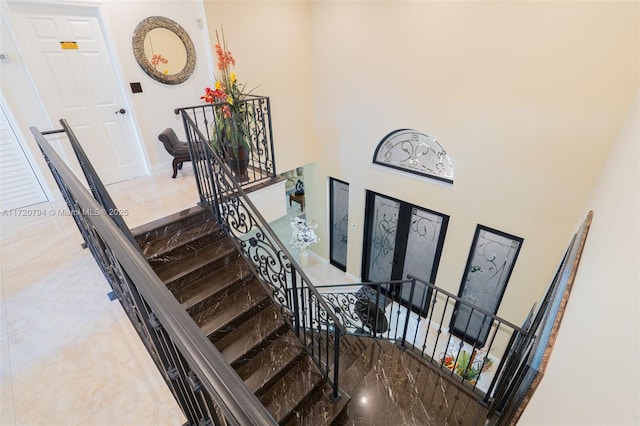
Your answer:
<point x="272" y="363"/>
<point x="238" y="305"/>
<point x="292" y="390"/>
<point x="253" y="335"/>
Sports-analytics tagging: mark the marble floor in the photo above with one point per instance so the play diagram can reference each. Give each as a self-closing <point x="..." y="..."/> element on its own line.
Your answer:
<point x="69" y="356"/>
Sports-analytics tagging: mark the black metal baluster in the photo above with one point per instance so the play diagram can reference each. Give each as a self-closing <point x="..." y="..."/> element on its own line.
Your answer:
<point x="336" y="362"/>
<point x="406" y="322"/>
<point x="435" y="346"/>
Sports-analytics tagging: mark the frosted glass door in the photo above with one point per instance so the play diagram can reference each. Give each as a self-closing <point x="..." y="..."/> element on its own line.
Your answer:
<point x="401" y="240"/>
<point x="339" y="217"/>
<point x="491" y="260"/>
<point x="382" y="238"/>
<point x="422" y="252"/>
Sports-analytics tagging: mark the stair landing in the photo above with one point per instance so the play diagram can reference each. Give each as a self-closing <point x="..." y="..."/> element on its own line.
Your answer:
<point x="390" y="386"/>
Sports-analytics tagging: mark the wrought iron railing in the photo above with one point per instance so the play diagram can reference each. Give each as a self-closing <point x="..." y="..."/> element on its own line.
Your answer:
<point x="251" y="158"/>
<point x="416" y="314"/>
<point x="205" y="386"/>
<point x="313" y="321"/>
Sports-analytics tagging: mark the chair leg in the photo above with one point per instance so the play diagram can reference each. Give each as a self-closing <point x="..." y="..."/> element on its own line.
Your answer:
<point x="175" y="168"/>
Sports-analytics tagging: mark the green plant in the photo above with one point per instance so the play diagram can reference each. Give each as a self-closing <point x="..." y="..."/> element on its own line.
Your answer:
<point x="466" y="365"/>
<point x="232" y="111"/>
<point x="465" y="368"/>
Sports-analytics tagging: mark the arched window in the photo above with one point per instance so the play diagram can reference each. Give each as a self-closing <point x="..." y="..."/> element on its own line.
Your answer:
<point x="414" y="152"/>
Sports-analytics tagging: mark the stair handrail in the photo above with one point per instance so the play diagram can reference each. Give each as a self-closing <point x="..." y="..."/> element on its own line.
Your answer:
<point x="228" y="201"/>
<point x="432" y="286"/>
<point x="210" y="383"/>
<point x="96" y="186"/>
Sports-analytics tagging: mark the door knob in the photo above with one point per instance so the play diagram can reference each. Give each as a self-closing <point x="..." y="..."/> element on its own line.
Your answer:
<point x="121" y="111"/>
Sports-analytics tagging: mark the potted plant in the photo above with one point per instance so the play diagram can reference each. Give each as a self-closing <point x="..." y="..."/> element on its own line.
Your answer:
<point x="232" y="115"/>
<point x="466" y="365"/>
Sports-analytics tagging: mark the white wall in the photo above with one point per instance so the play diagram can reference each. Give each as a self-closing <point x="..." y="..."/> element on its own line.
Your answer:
<point x="593" y="376"/>
<point x="270" y="43"/>
<point x="154" y="106"/>
<point x="152" y="109"/>
<point x="526" y="97"/>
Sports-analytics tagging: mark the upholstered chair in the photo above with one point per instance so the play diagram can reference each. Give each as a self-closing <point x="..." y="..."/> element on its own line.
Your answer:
<point x="176" y="148"/>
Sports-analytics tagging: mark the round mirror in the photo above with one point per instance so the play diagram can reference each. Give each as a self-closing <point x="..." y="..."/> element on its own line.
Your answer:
<point x="164" y="50"/>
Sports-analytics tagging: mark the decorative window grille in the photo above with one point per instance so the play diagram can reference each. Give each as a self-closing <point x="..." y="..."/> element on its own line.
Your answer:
<point x="414" y="152"/>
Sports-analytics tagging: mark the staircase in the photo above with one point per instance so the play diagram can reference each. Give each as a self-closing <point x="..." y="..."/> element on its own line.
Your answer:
<point x="199" y="264"/>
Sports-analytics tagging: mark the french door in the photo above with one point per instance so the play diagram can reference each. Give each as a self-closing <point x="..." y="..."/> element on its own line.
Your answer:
<point x="402" y="239"/>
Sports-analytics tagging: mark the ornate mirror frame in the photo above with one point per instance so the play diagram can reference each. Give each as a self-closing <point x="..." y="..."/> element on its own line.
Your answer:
<point x="139" y="35"/>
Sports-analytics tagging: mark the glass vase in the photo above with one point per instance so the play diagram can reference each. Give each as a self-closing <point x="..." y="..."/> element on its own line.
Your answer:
<point x="303" y="257"/>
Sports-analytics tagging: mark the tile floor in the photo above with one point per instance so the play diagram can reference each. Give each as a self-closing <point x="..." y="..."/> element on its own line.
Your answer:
<point x="68" y="355"/>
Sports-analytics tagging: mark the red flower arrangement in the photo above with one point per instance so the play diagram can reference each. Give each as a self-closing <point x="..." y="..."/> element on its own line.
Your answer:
<point x="228" y="96"/>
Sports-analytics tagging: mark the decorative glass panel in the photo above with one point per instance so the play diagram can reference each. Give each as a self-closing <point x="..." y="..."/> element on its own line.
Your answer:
<point x="422" y="243"/>
<point x="339" y="193"/>
<point x="424" y="246"/>
<point x="414" y="152"/>
<point x="383" y="239"/>
<point x="491" y="260"/>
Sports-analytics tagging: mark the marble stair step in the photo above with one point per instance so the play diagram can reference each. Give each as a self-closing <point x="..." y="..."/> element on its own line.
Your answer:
<point x="214" y="286"/>
<point x="270" y="365"/>
<point x="182" y="242"/>
<point x="352" y="349"/>
<point x="148" y="232"/>
<point x="224" y="316"/>
<point x="196" y="265"/>
<point x="243" y="343"/>
<point x="320" y="409"/>
<point x="359" y="364"/>
<point x="292" y="390"/>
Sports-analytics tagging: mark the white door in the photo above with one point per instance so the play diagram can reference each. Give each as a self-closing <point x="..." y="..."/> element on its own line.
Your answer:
<point x="67" y="56"/>
<point x="19" y="186"/>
